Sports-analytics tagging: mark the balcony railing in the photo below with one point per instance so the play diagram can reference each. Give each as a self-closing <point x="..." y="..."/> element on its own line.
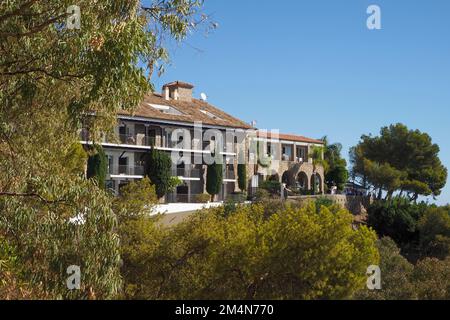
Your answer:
<point x="230" y="175"/>
<point x="182" y="198"/>
<point x="186" y="173"/>
<point x="127" y="170"/>
<point x="137" y="140"/>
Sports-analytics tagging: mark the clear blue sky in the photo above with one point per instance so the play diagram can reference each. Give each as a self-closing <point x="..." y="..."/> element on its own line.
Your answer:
<point x="313" y="68"/>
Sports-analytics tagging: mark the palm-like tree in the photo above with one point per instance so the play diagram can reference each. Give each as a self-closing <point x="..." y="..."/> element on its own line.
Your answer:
<point x="316" y="154"/>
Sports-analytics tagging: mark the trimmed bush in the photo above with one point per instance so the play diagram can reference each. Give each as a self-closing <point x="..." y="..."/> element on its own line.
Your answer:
<point x="202" y="198"/>
<point x="158" y="167"/>
<point x="214" y="179"/>
<point x="242" y="177"/>
<point x="97" y="165"/>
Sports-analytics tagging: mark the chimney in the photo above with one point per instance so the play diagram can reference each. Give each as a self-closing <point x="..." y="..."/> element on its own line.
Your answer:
<point x="178" y="91"/>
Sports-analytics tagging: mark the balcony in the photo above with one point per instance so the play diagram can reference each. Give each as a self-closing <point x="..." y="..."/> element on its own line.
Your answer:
<point x="127" y="171"/>
<point x="137" y="140"/>
<point x="229" y="175"/>
<point x="187" y="173"/>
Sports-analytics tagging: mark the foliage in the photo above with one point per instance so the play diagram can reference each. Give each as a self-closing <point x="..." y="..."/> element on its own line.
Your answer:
<point x="242" y="176"/>
<point x="133" y="207"/>
<point x="294" y="254"/>
<point x="395" y="275"/>
<point x="336" y="173"/>
<point x="214" y="179"/>
<point x="396" y="219"/>
<point x="399" y="160"/>
<point x="13" y="285"/>
<point x="158" y="168"/>
<point x="431" y="278"/>
<point x="76" y="159"/>
<point x="74" y="226"/>
<point x="202" y="198"/>
<point x="324" y="201"/>
<point x="434" y="228"/>
<point x="273" y="187"/>
<point x="137" y="198"/>
<point x="316" y="153"/>
<point x="97" y="165"/>
<point x="52" y="79"/>
<point x="261" y="195"/>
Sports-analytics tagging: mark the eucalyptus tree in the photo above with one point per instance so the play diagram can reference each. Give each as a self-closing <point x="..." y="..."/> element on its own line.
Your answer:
<point x="59" y="64"/>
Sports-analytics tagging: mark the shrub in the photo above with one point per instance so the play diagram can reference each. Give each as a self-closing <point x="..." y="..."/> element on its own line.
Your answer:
<point x="395" y="275"/>
<point x="242" y="176"/>
<point x="202" y="198"/>
<point x="158" y="167"/>
<point x="97" y="165"/>
<point x="324" y="201"/>
<point x="273" y="187"/>
<point x="396" y="219"/>
<point x="294" y="254"/>
<point x="434" y="229"/>
<point x="261" y="195"/>
<point x="214" y="179"/>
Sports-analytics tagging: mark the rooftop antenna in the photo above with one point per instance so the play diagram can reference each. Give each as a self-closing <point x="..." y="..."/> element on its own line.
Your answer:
<point x="203" y="96"/>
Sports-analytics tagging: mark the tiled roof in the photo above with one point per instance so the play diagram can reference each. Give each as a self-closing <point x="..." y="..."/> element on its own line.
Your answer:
<point x="288" y="137"/>
<point x="179" y="84"/>
<point x="191" y="111"/>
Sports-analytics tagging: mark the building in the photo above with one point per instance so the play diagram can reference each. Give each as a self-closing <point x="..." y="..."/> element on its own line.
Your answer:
<point x="286" y="158"/>
<point x="193" y="132"/>
<point x="177" y="123"/>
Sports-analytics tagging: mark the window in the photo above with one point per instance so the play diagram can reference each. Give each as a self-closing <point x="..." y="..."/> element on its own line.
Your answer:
<point x="287" y="153"/>
<point x="209" y="114"/>
<point x="110" y="164"/>
<point x="302" y="153"/>
<point x="166" y="109"/>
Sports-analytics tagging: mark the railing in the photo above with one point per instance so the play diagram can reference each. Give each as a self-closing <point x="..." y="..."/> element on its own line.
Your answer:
<point x="137" y="140"/>
<point x="186" y="173"/>
<point x="230" y="175"/>
<point x="127" y="170"/>
<point x="182" y="198"/>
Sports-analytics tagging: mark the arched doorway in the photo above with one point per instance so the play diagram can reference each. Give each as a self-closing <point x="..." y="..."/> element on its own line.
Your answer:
<point x="302" y="181"/>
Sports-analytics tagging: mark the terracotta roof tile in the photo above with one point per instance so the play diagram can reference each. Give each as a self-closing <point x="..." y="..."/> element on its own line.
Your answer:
<point x="191" y="112"/>
<point x="288" y="137"/>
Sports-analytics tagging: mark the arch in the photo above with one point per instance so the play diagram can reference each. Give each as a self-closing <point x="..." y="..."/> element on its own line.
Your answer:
<point x="302" y="180"/>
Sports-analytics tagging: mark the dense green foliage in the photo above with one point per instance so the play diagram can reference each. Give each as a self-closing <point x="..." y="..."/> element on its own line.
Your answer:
<point x="214" y="179"/>
<point x="51" y="80"/>
<point x="273" y="187"/>
<point x="97" y="165"/>
<point x="400" y="280"/>
<point x="158" y="167"/>
<point x="396" y="219"/>
<point x="336" y="173"/>
<point x="242" y="176"/>
<point x="434" y="229"/>
<point x="399" y="160"/>
<point x="316" y="153"/>
<point x="294" y="253"/>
